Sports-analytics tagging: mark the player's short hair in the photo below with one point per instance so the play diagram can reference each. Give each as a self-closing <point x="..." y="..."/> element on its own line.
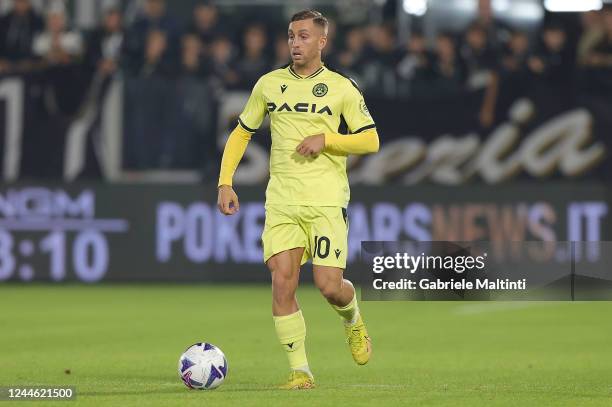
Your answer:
<point x="316" y="16"/>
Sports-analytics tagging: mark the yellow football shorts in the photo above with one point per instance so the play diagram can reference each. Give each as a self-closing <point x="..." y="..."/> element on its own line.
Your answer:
<point x="321" y="230"/>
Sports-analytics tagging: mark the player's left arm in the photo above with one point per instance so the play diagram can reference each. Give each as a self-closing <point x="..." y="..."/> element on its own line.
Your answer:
<point x="363" y="138"/>
<point x="364" y="142"/>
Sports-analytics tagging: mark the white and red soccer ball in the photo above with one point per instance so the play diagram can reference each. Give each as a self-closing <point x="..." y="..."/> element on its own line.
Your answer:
<point x="202" y="366"/>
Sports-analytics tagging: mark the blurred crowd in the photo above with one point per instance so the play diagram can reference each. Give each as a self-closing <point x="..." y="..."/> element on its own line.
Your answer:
<point x="167" y="62"/>
<point x="155" y="43"/>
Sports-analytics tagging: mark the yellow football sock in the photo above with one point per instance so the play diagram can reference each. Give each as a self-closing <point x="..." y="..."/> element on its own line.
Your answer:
<point x="291" y="332"/>
<point x="350" y="312"/>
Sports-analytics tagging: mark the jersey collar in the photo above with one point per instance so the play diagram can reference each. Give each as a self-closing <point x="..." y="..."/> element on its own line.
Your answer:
<point x="315" y="73"/>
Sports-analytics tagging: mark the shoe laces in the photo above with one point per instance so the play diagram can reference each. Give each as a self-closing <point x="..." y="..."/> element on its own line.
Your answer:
<point x="355" y="339"/>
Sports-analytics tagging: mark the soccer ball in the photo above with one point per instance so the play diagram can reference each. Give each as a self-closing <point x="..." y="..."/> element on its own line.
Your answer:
<point x="202" y="366"/>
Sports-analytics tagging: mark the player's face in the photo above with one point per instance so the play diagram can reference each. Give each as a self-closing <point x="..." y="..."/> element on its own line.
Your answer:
<point x="306" y="41"/>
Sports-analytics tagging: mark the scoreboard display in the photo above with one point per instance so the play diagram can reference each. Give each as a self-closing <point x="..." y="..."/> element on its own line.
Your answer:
<point x="55" y="234"/>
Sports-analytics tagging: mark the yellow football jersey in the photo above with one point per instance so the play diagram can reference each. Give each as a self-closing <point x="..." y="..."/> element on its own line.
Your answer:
<point x="300" y="107"/>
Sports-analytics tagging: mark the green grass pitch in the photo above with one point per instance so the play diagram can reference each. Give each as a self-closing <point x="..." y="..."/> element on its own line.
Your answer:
<point x="121" y="344"/>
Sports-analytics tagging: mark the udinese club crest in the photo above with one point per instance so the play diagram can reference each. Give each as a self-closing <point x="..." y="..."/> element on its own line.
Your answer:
<point x="319" y="90"/>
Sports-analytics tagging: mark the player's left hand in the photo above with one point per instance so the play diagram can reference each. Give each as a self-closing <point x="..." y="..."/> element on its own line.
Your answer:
<point x="311" y="146"/>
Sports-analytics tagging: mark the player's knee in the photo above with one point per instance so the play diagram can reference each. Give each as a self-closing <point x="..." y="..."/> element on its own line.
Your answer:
<point x="280" y="279"/>
<point x="330" y="290"/>
<point x="283" y="285"/>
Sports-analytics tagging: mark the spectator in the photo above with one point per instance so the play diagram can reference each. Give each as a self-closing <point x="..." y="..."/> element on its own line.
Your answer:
<point x="497" y="32"/>
<point x="281" y="50"/>
<point x="17" y="31"/>
<point x="57" y="45"/>
<point x="514" y="69"/>
<point x="101" y="62"/>
<point x="351" y="57"/>
<point x="379" y="76"/>
<point x="155" y="17"/>
<point x="329" y="53"/>
<point x="152" y="31"/>
<point x="414" y="69"/>
<point x="195" y="143"/>
<point x="592" y="32"/>
<point x="480" y="61"/>
<point x="60" y="52"/>
<point x="448" y="71"/>
<point x="192" y="63"/>
<point x="151" y="106"/>
<point x="223" y="62"/>
<point x="598" y="60"/>
<point x="515" y="56"/>
<point x="552" y="60"/>
<point x="104" y="44"/>
<point x="600" y="55"/>
<point x="254" y="62"/>
<point x="478" y="56"/>
<point x="205" y="23"/>
<point x="157" y="59"/>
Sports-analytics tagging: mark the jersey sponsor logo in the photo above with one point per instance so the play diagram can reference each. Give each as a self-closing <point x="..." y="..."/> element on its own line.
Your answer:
<point x="300" y="107"/>
<point x="337" y="251"/>
<point x="320" y="90"/>
<point x="283" y="88"/>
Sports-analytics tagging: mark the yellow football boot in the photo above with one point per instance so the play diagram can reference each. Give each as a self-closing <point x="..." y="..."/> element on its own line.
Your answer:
<point x="359" y="341"/>
<point x="298" y="380"/>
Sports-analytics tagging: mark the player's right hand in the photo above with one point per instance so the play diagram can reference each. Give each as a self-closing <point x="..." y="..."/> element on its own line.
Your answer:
<point x="227" y="201"/>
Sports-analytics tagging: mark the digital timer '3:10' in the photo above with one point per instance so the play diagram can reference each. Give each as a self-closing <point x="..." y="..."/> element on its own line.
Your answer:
<point x="89" y="249"/>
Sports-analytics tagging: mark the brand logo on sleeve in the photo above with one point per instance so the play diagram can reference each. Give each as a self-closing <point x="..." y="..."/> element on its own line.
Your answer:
<point x="364" y="108"/>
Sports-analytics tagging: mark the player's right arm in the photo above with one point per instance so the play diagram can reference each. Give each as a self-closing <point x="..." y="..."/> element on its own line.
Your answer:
<point x="248" y="122"/>
<point x="236" y="145"/>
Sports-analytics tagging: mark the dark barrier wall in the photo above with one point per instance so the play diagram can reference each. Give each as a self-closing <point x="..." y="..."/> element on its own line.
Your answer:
<point x="540" y="132"/>
<point x="98" y="232"/>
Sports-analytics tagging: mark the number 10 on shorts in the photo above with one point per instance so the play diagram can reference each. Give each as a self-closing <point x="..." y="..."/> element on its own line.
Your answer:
<point x="321" y="249"/>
